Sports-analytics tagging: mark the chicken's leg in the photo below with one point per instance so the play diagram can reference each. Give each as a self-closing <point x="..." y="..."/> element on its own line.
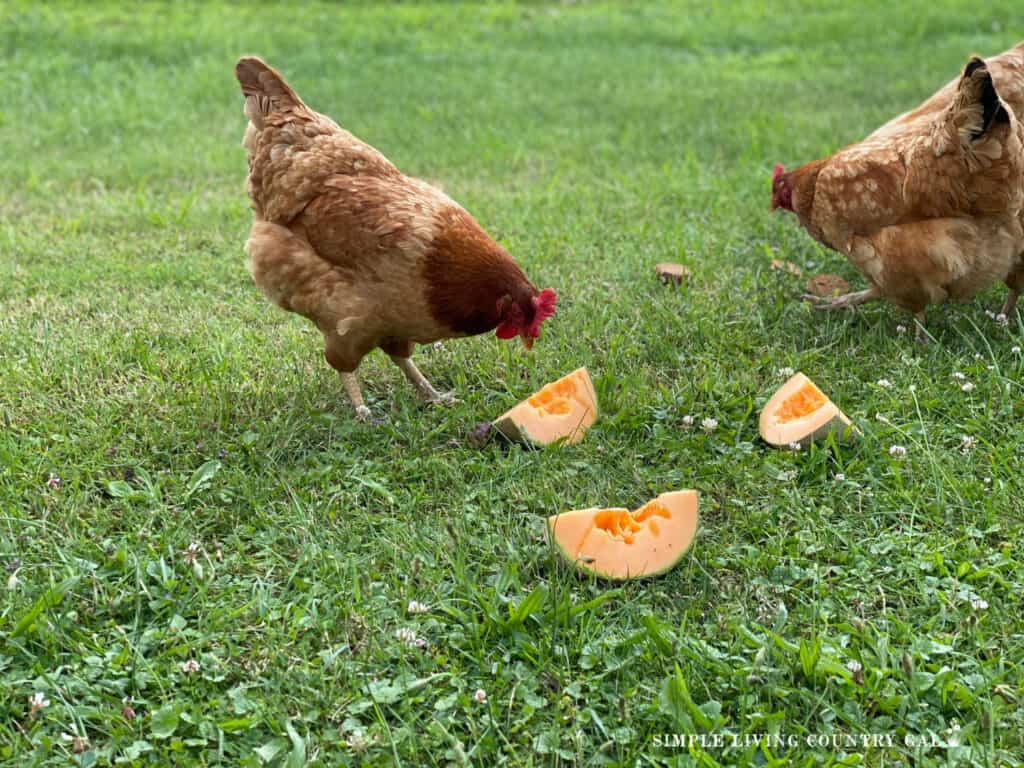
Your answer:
<point x="355" y="394"/>
<point x="1011" y="303"/>
<point x="920" y="334"/>
<point x="419" y="381"/>
<point x="846" y="301"/>
<point x="338" y="362"/>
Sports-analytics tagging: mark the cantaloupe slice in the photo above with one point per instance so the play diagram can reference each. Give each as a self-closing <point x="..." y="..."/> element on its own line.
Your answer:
<point x="801" y="413"/>
<point x="618" y="544"/>
<point x="563" y="409"/>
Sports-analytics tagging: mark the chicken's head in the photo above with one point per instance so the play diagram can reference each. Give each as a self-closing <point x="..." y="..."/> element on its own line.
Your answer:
<point x="523" y="318"/>
<point x="782" y="193"/>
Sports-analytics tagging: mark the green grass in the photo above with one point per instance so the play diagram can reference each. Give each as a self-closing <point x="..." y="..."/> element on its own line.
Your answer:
<point x="140" y="366"/>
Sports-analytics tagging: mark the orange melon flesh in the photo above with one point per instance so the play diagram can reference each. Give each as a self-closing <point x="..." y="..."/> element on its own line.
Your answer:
<point x="618" y="544"/>
<point x="801" y="413"/>
<point x="804" y="401"/>
<point x="564" y="409"/>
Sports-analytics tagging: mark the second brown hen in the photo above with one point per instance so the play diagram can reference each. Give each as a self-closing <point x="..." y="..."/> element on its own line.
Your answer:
<point x="931" y="205"/>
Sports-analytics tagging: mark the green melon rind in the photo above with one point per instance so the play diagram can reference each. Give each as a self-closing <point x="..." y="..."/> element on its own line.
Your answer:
<point x="511" y="431"/>
<point x="585" y="569"/>
<point x="844" y="430"/>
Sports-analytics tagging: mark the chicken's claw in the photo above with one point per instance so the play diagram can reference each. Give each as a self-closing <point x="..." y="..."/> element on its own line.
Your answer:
<point x="846" y="301"/>
<point x="423" y="387"/>
<point x="442" y="398"/>
<point x="365" y="416"/>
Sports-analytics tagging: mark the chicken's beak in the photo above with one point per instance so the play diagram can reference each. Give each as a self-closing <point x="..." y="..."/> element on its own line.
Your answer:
<point x="527" y="342"/>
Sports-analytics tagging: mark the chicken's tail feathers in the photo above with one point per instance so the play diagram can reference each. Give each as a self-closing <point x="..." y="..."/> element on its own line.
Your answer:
<point x="265" y="90"/>
<point x="977" y="105"/>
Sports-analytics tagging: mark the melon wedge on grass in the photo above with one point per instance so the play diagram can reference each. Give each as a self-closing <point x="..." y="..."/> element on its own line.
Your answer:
<point x="563" y="409"/>
<point x="801" y="413"/>
<point x="618" y="544"/>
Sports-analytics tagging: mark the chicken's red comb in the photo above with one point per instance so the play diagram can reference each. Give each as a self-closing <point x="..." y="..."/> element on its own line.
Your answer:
<point x="543" y="308"/>
<point x="545" y="303"/>
<point x="779" y="170"/>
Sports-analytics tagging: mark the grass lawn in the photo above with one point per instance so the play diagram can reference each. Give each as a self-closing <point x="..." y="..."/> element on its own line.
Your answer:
<point x="192" y="522"/>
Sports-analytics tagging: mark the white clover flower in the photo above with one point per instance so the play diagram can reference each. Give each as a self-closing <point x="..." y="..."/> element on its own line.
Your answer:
<point x="901" y="328"/>
<point x="687" y="420"/>
<point x="840" y="477"/>
<point x="1015" y="350"/>
<point x="979" y="604"/>
<point x="897" y="451"/>
<point x="190" y="667"/>
<point x="954" y="734"/>
<point x="709" y="425"/>
<point x="786" y="372"/>
<point x="959" y="376"/>
<point x="884" y="383"/>
<point x="967" y="386"/>
<point x="79" y="741"/>
<point x="53" y="481"/>
<point x="1002" y="319"/>
<point x="480" y="697"/>
<point x="358" y="742"/>
<point x="416" y="607"/>
<point x="189" y="555"/>
<point x="408" y="637"/>
<point x="12" y="582"/>
<point x="795" y="446"/>
<point x="854" y="666"/>
<point x="405" y="635"/>
<point x="912" y="388"/>
<point x="37" y="702"/>
<point x="967" y="443"/>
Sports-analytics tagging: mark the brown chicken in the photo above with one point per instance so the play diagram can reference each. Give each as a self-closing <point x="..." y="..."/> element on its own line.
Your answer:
<point x="373" y="257"/>
<point x="931" y="205"/>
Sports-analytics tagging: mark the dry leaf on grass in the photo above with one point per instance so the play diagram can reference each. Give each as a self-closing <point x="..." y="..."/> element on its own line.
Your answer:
<point x="789" y="266"/>
<point x="827" y="285"/>
<point x="668" y="272"/>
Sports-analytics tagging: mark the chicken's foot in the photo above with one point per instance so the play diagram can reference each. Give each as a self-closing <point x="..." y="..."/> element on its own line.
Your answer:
<point x="846" y="301"/>
<point x="1011" y="303"/>
<point x="920" y="334"/>
<point x="419" y="381"/>
<point x="355" y="394"/>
